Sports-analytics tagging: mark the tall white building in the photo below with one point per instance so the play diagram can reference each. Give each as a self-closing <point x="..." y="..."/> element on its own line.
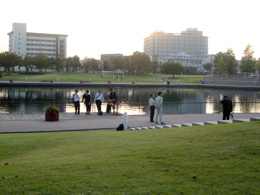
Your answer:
<point x="189" y="47"/>
<point x="28" y="43"/>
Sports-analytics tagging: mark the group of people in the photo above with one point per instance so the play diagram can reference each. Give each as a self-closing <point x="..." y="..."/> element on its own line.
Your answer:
<point x="97" y="99"/>
<point x="154" y="103"/>
<point x="156" y="108"/>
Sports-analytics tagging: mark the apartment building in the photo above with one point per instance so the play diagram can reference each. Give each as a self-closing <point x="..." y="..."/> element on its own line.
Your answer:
<point x="189" y="47"/>
<point x="25" y="43"/>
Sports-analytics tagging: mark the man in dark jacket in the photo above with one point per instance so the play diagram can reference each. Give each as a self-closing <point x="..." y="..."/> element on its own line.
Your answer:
<point x="227" y="107"/>
<point x="112" y="100"/>
<point x="86" y="96"/>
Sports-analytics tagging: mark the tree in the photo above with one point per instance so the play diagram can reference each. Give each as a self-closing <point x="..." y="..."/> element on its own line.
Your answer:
<point x="60" y="62"/>
<point x="90" y="64"/>
<point x="69" y="64"/>
<point x="116" y="62"/>
<point x="28" y="62"/>
<point x="72" y="64"/>
<point x="140" y="62"/>
<point x="9" y="60"/>
<point x="208" y="67"/>
<point x="52" y="63"/>
<point x="105" y="65"/>
<point x="248" y="60"/>
<point x="155" y="66"/>
<point x="41" y="62"/>
<point x="172" y="68"/>
<point x="225" y="62"/>
<point x="75" y="63"/>
<point x="15" y="60"/>
<point x="257" y="66"/>
<point x="191" y="70"/>
<point x="231" y="62"/>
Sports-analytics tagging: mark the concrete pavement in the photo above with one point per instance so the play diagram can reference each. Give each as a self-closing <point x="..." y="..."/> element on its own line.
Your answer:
<point x="24" y="123"/>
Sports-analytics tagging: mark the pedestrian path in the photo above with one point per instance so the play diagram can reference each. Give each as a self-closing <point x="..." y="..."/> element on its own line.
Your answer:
<point x="25" y="123"/>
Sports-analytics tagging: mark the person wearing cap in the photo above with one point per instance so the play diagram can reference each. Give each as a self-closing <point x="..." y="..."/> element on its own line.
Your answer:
<point x="227" y="107"/>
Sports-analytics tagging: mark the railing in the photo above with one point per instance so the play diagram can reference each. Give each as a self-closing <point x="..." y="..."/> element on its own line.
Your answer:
<point x="132" y="108"/>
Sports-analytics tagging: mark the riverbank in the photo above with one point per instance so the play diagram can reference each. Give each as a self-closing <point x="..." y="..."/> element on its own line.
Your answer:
<point x="120" y="84"/>
<point x="29" y="123"/>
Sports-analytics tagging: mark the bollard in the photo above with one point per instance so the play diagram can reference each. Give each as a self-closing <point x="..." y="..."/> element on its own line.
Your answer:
<point x="26" y="78"/>
<point x="125" y="121"/>
<point x="57" y="79"/>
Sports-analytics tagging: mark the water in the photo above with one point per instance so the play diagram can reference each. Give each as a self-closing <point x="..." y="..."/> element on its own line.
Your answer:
<point x="132" y="100"/>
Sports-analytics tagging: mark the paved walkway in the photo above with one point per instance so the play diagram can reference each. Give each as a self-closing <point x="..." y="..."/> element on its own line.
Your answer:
<point x="21" y="123"/>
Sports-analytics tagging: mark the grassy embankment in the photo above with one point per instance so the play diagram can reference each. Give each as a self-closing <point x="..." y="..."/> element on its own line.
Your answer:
<point x="216" y="159"/>
<point x="96" y="77"/>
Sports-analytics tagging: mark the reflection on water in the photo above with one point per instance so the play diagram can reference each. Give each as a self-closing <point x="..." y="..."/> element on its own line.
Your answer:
<point x="132" y="100"/>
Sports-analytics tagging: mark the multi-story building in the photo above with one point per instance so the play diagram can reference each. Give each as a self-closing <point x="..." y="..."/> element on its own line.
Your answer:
<point x="28" y="43"/>
<point x="189" y="47"/>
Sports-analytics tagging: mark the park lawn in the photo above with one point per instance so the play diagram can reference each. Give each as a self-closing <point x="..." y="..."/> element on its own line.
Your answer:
<point x="192" y="79"/>
<point x="213" y="159"/>
<point x="96" y="77"/>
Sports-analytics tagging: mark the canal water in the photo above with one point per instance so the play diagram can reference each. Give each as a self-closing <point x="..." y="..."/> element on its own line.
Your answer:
<point x="132" y="100"/>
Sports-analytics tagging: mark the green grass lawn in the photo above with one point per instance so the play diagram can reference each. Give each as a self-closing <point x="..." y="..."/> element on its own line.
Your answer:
<point x="213" y="159"/>
<point x="192" y="79"/>
<point x="96" y="77"/>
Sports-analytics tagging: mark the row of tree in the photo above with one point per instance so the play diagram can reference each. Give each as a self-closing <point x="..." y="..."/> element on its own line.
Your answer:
<point x="226" y="63"/>
<point x="138" y="62"/>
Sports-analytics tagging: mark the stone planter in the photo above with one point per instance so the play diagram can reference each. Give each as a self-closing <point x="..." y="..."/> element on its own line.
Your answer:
<point x="50" y="117"/>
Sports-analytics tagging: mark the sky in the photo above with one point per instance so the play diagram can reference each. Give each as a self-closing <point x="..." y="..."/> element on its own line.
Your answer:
<point x="120" y="26"/>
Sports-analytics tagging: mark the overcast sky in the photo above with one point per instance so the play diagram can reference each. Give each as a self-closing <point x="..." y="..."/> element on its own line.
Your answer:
<point x="119" y="26"/>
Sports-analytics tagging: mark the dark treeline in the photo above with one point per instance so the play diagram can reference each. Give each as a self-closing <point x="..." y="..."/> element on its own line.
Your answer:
<point x="224" y="63"/>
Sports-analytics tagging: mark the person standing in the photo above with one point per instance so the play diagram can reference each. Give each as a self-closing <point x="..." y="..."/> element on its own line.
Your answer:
<point x="227" y="107"/>
<point x="98" y="99"/>
<point x="112" y="100"/>
<point x="75" y="99"/>
<point x="86" y="97"/>
<point x="152" y="107"/>
<point x="158" y="108"/>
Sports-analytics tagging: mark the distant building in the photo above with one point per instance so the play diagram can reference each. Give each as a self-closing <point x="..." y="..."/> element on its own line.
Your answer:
<point x="107" y="56"/>
<point x="28" y="43"/>
<point x="189" y="47"/>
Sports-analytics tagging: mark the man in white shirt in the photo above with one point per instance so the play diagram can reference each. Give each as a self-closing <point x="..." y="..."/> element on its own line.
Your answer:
<point x="75" y="99"/>
<point x="98" y="99"/>
<point x="158" y="108"/>
<point x="152" y="107"/>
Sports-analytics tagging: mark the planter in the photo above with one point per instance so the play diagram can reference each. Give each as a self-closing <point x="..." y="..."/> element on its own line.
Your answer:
<point x="50" y="117"/>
